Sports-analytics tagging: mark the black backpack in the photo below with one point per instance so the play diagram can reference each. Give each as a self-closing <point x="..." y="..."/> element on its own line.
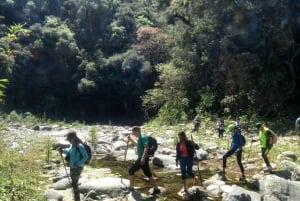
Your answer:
<point x="152" y="142"/>
<point x="243" y="140"/>
<point x="88" y="151"/>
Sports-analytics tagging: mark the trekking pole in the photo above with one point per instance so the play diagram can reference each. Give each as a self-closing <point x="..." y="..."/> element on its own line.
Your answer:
<point x="125" y="155"/>
<point x="63" y="160"/>
<point x="250" y="149"/>
<point x="198" y="168"/>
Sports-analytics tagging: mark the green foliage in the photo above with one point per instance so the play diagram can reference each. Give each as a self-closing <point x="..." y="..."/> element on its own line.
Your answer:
<point x="168" y="95"/>
<point x="206" y="103"/>
<point x="17" y="30"/>
<point x="18" y="175"/>
<point x="3" y="83"/>
<point x="48" y="149"/>
<point x="93" y="135"/>
<point x="141" y="20"/>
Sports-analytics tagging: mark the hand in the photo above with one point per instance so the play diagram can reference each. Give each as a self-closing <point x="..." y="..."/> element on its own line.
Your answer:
<point x="142" y="161"/>
<point x="60" y="150"/>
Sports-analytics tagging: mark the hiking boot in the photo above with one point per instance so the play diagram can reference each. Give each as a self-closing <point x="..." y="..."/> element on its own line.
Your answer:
<point x="242" y="178"/>
<point x="129" y="190"/>
<point x="222" y="172"/>
<point x="184" y="192"/>
<point x="155" y="191"/>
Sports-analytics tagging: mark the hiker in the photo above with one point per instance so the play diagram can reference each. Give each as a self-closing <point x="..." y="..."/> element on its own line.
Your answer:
<point x="196" y="123"/>
<point x="235" y="148"/>
<point x="142" y="161"/>
<point x="264" y="133"/>
<point x="297" y="125"/>
<point x="184" y="154"/>
<point x="78" y="156"/>
<point x="221" y="127"/>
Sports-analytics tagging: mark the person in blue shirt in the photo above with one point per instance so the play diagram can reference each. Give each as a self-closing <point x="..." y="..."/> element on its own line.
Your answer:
<point x="78" y="156"/>
<point x="235" y="147"/>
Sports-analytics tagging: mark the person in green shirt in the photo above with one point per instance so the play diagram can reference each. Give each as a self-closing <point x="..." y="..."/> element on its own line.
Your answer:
<point x="142" y="161"/>
<point x="264" y="133"/>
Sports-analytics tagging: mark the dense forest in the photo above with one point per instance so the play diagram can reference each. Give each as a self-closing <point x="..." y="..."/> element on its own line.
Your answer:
<point x="107" y="59"/>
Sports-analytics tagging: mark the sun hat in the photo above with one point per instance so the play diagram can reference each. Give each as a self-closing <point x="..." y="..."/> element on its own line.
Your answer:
<point x="230" y="127"/>
<point x="258" y="125"/>
<point x="70" y="135"/>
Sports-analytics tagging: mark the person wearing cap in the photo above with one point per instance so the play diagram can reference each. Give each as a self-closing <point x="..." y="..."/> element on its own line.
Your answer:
<point x="142" y="161"/>
<point x="235" y="147"/>
<point x="78" y="156"/>
<point x="264" y="132"/>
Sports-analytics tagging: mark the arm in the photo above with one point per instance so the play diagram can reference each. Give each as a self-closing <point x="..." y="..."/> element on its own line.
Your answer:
<point x="145" y="151"/>
<point x="131" y="140"/>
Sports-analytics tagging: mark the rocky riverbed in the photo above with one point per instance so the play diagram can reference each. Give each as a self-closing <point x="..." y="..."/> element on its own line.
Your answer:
<point x="106" y="177"/>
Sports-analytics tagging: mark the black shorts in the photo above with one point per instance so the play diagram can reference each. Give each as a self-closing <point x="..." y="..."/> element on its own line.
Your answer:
<point x="136" y="166"/>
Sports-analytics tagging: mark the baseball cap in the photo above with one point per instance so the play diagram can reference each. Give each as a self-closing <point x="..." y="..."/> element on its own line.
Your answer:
<point x="258" y="125"/>
<point x="71" y="135"/>
<point x="230" y="127"/>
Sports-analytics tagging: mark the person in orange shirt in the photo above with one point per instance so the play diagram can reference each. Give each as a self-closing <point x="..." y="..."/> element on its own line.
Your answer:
<point x="185" y="150"/>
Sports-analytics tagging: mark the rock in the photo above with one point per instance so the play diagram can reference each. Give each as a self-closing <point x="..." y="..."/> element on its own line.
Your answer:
<point x="288" y="165"/>
<point x="296" y="174"/>
<point x="62" y="184"/>
<point x="53" y="195"/>
<point x="241" y="194"/>
<point x="276" y="188"/>
<point x="287" y="155"/>
<point x="201" y="154"/>
<point x="105" y="185"/>
<point x="134" y="196"/>
<point x="163" y="160"/>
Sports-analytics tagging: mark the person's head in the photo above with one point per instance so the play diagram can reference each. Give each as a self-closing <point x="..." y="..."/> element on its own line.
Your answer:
<point x="136" y="131"/>
<point x="71" y="137"/>
<point x="232" y="128"/>
<point x="182" y="136"/>
<point x="259" y="126"/>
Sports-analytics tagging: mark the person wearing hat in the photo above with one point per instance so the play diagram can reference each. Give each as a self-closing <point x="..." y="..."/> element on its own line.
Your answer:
<point x="78" y="156"/>
<point x="264" y="132"/>
<point x="235" y="147"/>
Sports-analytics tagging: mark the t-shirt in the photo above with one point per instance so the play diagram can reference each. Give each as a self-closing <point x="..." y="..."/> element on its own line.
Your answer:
<point x="183" y="150"/>
<point x="142" y="141"/>
<point x="263" y="137"/>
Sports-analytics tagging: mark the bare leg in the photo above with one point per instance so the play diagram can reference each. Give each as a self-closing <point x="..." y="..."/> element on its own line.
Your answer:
<point x="153" y="182"/>
<point x="131" y="181"/>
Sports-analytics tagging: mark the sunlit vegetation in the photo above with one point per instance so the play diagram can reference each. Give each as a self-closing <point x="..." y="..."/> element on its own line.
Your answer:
<point x="103" y="60"/>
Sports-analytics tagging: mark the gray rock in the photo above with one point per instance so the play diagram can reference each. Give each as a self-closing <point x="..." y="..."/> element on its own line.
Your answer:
<point x="276" y="188"/>
<point x="53" y="195"/>
<point x="62" y="184"/>
<point x="287" y="155"/>
<point x="241" y="194"/>
<point x="163" y="160"/>
<point x="296" y="174"/>
<point x="105" y="185"/>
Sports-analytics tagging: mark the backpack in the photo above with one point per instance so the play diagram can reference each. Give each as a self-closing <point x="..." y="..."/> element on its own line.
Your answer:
<point x="272" y="138"/>
<point x="152" y="143"/>
<point x="88" y="151"/>
<point x="243" y="140"/>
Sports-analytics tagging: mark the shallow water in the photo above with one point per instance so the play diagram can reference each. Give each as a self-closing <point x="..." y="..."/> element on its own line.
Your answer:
<point x="171" y="181"/>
